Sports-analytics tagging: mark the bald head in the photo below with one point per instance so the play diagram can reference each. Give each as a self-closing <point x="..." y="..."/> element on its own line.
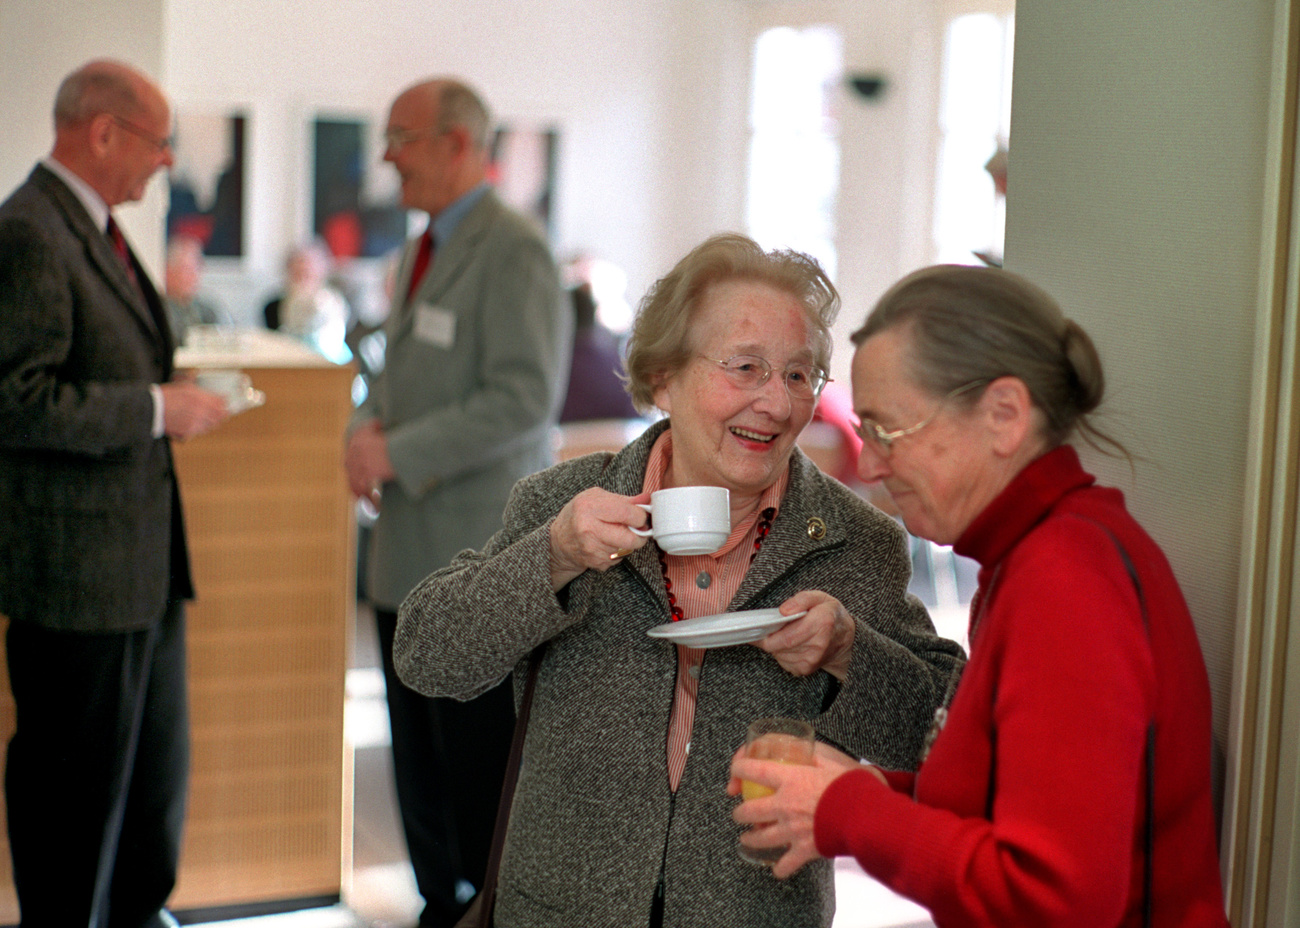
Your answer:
<point x="449" y="103"/>
<point x="111" y="128"/>
<point x="102" y="86"/>
<point x="437" y="140"/>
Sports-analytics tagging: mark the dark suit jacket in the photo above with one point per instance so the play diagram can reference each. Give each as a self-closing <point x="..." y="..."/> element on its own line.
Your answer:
<point x="91" y="537"/>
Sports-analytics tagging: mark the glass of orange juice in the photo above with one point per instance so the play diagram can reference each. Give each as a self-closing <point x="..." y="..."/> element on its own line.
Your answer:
<point x="787" y="741"/>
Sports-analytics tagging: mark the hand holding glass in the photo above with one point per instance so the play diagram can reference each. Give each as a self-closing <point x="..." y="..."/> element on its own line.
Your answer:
<point x="787" y="741"/>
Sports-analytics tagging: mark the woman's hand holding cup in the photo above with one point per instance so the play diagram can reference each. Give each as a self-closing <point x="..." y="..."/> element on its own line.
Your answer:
<point x="594" y="532"/>
<point x="688" y="520"/>
<point x="785" y="802"/>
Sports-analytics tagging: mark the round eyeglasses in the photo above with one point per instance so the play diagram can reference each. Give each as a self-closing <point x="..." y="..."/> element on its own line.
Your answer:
<point x="749" y="372"/>
<point x="871" y="431"/>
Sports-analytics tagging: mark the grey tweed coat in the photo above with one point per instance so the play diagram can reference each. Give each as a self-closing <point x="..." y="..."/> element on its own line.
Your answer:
<point x="595" y="825"/>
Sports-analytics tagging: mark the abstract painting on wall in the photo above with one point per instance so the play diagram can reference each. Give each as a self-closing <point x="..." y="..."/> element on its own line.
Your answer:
<point x="355" y="207"/>
<point x="522" y="168"/>
<point x="207" y="182"/>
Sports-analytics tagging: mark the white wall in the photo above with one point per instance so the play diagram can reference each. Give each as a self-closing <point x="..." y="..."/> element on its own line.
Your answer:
<point x="1136" y="197"/>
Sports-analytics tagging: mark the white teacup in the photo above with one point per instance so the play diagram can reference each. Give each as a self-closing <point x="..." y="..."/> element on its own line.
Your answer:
<point x="689" y="520"/>
<point x="234" y="385"/>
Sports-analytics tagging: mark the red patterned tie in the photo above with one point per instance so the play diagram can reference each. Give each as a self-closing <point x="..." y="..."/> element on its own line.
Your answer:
<point x="422" y="258"/>
<point x="123" y="253"/>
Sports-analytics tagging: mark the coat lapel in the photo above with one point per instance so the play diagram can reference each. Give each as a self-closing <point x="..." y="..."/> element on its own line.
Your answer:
<point x="450" y="260"/>
<point x="104" y="259"/>
<point x="452" y="256"/>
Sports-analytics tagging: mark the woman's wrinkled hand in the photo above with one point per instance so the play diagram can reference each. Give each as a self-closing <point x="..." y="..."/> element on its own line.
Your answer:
<point x="820" y="640"/>
<point x="785" y="818"/>
<point x="594" y="532"/>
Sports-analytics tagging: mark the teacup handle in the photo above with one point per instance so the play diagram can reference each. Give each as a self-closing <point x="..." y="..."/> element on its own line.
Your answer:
<point x="643" y="532"/>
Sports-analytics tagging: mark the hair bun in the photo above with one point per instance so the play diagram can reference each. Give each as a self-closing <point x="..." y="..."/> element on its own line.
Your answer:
<point x="1084" y="366"/>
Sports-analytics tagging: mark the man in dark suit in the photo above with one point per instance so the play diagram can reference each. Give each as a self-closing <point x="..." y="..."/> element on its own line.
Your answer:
<point x="478" y="341"/>
<point x="94" y="567"/>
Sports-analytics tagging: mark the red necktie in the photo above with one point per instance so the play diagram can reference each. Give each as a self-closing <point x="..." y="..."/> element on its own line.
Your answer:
<point x="422" y="259"/>
<point x="123" y="252"/>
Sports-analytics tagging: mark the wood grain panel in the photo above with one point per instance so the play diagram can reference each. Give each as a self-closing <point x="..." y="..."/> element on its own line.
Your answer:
<point x="270" y="530"/>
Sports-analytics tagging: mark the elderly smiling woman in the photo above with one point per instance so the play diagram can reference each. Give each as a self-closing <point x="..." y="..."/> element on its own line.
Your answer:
<point x="621" y="815"/>
<point x="1070" y="785"/>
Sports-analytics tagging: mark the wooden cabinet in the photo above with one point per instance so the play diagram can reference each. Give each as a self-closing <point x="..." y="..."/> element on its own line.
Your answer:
<point x="269" y="521"/>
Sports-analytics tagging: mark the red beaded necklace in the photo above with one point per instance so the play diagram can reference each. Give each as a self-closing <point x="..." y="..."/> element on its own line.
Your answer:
<point x="764" y="526"/>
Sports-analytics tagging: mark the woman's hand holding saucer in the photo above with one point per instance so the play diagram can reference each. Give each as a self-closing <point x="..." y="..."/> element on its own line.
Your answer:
<point x="594" y="532"/>
<point x="820" y="640"/>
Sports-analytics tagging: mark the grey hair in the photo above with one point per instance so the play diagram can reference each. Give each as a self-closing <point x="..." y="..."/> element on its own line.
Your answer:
<point x="976" y="324"/>
<point x="459" y="105"/>
<point x="94" y="88"/>
<point x="659" y="345"/>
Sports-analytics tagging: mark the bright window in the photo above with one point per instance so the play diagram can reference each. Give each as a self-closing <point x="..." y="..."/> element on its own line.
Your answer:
<point x="974" y="121"/>
<point x="794" y="153"/>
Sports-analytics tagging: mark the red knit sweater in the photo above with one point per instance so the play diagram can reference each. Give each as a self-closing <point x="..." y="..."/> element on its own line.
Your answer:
<point x="1030" y="810"/>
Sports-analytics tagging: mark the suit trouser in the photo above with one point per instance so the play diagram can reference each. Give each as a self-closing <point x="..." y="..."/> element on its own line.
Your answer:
<point x="449" y="759"/>
<point x="96" y="775"/>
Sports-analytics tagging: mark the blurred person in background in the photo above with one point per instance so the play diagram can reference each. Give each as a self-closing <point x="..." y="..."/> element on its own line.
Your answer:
<point x="186" y="307"/>
<point x="477" y="351"/>
<point x="310" y="309"/>
<point x="595" y="388"/>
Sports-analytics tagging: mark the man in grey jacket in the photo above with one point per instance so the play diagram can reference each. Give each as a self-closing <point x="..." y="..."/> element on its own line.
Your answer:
<point x="477" y="352"/>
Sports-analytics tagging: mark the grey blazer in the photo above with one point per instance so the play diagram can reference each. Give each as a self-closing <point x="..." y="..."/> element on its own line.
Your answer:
<point x="475" y="370"/>
<point x="594" y="819"/>
<point x="90" y="520"/>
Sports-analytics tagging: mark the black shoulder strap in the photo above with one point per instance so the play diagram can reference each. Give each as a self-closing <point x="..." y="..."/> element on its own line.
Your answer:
<point x="482" y="909"/>
<point x="1148" y="838"/>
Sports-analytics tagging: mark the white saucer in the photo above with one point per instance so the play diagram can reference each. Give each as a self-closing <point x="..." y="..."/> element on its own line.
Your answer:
<point x="720" y="631"/>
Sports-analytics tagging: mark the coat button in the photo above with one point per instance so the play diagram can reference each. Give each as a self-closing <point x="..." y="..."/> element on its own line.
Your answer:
<point x="816" y="529"/>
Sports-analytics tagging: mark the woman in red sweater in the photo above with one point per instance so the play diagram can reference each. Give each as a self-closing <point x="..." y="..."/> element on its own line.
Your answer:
<point x="1068" y="782"/>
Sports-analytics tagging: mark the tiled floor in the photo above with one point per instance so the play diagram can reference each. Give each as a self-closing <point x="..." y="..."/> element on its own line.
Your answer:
<point x="382" y="890"/>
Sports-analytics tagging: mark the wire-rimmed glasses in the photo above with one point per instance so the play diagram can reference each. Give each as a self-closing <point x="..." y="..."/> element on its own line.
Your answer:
<point x="397" y="139"/>
<point x="160" y="144"/>
<point x="749" y="372"/>
<point x="883" y="439"/>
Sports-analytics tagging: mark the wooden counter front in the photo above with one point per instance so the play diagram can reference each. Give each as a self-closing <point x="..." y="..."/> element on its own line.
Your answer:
<point x="270" y="529"/>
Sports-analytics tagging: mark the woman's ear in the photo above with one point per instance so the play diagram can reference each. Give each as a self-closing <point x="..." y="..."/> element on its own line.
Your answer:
<point x="661" y="394"/>
<point x="1009" y="412"/>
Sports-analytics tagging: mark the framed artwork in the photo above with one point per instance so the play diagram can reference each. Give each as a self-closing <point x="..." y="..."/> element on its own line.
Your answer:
<point x="523" y="171"/>
<point x="355" y="207"/>
<point x="207" y="182"/>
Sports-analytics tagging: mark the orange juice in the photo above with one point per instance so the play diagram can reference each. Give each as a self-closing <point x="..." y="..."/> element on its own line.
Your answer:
<point x="777" y="746"/>
<point x="750" y="790"/>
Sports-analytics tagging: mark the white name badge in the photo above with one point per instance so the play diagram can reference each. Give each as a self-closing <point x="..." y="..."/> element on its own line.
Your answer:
<point x="435" y="326"/>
